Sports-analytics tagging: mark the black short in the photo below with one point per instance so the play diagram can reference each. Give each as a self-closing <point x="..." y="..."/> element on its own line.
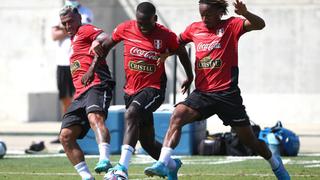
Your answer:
<point x="146" y="101"/>
<point x="64" y="82"/>
<point x="96" y="99"/>
<point x="226" y="104"/>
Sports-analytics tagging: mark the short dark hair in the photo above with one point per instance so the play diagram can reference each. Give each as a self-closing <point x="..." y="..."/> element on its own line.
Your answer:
<point x="223" y="4"/>
<point x="66" y="9"/>
<point x="146" y="8"/>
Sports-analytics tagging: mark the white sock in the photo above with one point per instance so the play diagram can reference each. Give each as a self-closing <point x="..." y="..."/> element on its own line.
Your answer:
<point x="104" y="151"/>
<point x="165" y="155"/>
<point x="83" y="170"/>
<point x="274" y="162"/>
<point x="126" y="153"/>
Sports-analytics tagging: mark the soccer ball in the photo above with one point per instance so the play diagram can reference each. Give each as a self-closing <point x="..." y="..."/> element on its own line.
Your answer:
<point x="116" y="175"/>
<point x="3" y="149"/>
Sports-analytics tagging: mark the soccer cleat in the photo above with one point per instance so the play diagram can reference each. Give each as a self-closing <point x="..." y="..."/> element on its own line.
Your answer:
<point x="157" y="169"/>
<point x="281" y="172"/>
<point x="36" y="148"/>
<point x="103" y="166"/>
<point x="117" y="172"/>
<point x="173" y="174"/>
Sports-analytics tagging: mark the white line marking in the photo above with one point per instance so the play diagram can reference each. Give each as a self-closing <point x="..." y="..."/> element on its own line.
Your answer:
<point x="305" y="162"/>
<point x="309" y="154"/>
<point x="34" y="155"/>
<point x="39" y="174"/>
<point x="218" y="161"/>
<point x="312" y="166"/>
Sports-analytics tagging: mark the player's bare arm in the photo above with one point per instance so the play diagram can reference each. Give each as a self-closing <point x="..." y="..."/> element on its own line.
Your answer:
<point x="101" y="47"/>
<point x="58" y="33"/>
<point x="89" y="75"/>
<point x="99" y="40"/>
<point x="252" y="22"/>
<point x="186" y="63"/>
<point x="162" y="58"/>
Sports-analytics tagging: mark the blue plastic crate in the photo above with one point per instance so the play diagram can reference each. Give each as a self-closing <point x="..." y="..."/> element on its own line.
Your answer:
<point x="191" y="134"/>
<point x="115" y="124"/>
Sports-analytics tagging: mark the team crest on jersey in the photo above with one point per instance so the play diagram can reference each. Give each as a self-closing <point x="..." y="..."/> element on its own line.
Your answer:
<point x="208" y="63"/>
<point x="220" y="32"/>
<point x="142" y="66"/>
<point x="74" y="66"/>
<point x="157" y="43"/>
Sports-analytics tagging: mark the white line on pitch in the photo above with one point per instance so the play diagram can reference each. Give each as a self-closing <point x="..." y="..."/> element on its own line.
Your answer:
<point x="312" y="166"/>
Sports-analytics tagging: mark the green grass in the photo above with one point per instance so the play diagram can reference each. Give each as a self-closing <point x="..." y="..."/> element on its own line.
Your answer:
<point x="194" y="167"/>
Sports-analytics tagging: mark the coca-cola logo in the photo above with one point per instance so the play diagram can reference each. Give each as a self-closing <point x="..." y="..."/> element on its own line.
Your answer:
<point x="143" y="53"/>
<point x="208" y="46"/>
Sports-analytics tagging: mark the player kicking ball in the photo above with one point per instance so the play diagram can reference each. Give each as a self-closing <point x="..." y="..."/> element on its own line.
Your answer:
<point x="145" y="41"/>
<point x="216" y="82"/>
<point x="93" y="83"/>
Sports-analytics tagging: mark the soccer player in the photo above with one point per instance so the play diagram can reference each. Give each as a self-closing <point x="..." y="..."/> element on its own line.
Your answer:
<point x="93" y="83"/>
<point x="216" y="81"/>
<point x="145" y="42"/>
<point x="64" y="80"/>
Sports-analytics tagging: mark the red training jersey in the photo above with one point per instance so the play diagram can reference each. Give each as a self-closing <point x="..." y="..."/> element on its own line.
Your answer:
<point x="81" y="59"/>
<point x="141" y="53"/>
<point x="216" y="65"/>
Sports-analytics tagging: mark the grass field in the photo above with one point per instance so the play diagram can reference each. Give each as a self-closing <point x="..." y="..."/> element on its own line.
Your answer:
<point x="52" y="167"/>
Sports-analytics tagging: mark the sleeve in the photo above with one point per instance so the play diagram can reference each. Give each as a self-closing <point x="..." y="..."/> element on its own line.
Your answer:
<point x="93" y="32"/>
<point x="237" y="26"/>
<point x="186" y="36"/>
<point x="173" y="42"/>
<point x="118" y="33"/>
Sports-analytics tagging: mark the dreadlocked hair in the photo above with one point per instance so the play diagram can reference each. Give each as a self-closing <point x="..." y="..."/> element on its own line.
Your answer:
<point x="223" y="4"/>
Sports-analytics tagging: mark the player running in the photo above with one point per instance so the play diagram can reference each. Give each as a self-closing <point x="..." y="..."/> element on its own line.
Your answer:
<point x="145" y="41"/>
<point x="216" y="82"/>
<point x="92" y="80"/>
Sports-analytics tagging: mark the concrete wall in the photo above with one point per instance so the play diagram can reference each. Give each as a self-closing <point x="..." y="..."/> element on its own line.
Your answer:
<point x="27" y="54"/>
<point x="278" y="65"/>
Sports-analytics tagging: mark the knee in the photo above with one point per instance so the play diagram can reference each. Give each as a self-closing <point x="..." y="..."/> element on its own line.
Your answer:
<point x="176" y="121"/>
<point x="96" y="119"/>
<point x="65" y="136"/>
